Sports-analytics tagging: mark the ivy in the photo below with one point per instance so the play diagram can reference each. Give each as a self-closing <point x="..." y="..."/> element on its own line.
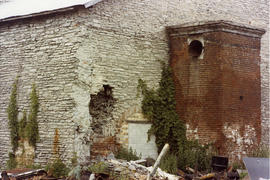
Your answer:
<point x="23" y="129"/>
<point x="12" y="112"/>
<point x="32" y="125"/>
<point x="11" y="163"/>
<point x="159" y="107"/>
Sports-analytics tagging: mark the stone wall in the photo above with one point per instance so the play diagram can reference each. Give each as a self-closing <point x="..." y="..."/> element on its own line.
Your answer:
<point x="71" y="55"/>
<point x="149" y="19"/>
<point x="40" y="51"/>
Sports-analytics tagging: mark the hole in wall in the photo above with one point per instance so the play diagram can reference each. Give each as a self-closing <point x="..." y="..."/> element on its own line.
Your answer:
<point x="195" y="48"/>
<point x="241" y="98"/>
<point x="100" y="108"/>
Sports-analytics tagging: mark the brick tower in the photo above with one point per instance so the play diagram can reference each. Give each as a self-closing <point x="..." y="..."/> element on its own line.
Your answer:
<point x="216" y="69"/>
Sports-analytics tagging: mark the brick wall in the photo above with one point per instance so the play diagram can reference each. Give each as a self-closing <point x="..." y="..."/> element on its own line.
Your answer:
<point x="72" y="55"/>
<point x="219" y="93"/>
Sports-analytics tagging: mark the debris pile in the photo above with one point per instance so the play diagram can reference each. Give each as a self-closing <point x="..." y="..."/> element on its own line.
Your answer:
<point x="110" y="168"/>
<point x="122" y="169"/>
<point x="135" y="170"/>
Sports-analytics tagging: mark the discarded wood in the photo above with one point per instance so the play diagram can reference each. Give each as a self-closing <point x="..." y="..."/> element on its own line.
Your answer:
<point x="210" y="175"/>
<point x="29" y="174"/>
<point x="180" y="173"/>
<point x="193" y="171"/>
<point x="230" y="169"/>
<point x="140" y="161"/>
<point x="160" y="156"/>
<point x="190" y="169"/>
<point x="92" y="177"/>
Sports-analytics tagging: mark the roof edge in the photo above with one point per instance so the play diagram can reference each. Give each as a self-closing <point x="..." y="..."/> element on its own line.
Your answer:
<point x="64" y="9"/>
<point x="39" y="14"/>
<point x="91" y="3"/>
<point x="211" y="26"/>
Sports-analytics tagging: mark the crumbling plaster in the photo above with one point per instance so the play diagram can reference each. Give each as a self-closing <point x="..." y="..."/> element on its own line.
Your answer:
<point x="236" y="139"/>
<point x="71" y="55"/>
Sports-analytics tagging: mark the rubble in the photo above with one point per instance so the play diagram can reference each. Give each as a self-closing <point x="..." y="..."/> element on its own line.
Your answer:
<point x="23" y="174"/>
<point x="122" y="169"/>
<point x="133" y="170"/>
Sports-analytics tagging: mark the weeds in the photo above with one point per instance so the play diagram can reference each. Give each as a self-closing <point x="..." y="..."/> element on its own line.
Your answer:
<point x="260" y="151"/>
<point x="74" y="160"/>
<point x="100" y="167"/>
<point x="57" y="169"/>
<point x="11" y="163"/>
<point x="129" y="155"/>
<point x="169" y="164"/>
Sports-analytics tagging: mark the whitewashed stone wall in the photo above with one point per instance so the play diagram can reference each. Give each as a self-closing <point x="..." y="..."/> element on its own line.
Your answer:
<point x="138" y="140"/>
<point x="71" y="55"/>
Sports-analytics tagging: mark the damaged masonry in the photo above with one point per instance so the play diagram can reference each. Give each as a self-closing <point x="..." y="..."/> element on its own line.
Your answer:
<point x="86" y="60"/>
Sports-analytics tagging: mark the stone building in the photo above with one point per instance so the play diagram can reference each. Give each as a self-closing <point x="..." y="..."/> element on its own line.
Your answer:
<point x="86" y="58"/>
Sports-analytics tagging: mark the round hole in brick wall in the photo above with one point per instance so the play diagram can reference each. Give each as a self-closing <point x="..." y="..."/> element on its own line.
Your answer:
<point x="195" y="48"/>
<point x="241" y="98"/>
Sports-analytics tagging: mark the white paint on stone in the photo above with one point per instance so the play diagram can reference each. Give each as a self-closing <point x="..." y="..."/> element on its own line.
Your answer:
<point x="191" y="133"/>
<point x="81" y="119"/>
<point x="138" y="140"/>
<point x="232" y="134"/>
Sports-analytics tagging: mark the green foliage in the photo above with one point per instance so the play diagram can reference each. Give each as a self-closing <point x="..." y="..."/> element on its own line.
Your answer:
<point x="32" y="125"/>
<point x="169" y="164"/>
<point x="74" y="160"/>
<point x="260" y="151"/>
<point x="34" y="166"/>
<point x="242" y="175"/>
<point x="57" y="169"/>
<point x="238" y="165"/>
<point x="11" y="163"/>
<point x="194" y="155"/>
<point x="129" y="155"/>
<point x="22" y="126"/>
<point x="99" y="167"/>
<point x="12" y="111"/>
<point x="159" y="106"/>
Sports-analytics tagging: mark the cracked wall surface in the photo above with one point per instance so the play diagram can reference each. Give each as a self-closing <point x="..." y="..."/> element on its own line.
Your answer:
<point x="73" y="54"/>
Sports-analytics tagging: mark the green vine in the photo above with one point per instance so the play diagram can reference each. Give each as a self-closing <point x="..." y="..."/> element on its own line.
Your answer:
<point x="12" y="111"/>
<point x="23" y="129"/>
<point x="32" y="125"/>
<point x="11" y="163"/>
<point x="159" y="107"/>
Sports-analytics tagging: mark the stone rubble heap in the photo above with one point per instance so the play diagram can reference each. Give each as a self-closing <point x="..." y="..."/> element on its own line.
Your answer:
<point x="134" y="170"/>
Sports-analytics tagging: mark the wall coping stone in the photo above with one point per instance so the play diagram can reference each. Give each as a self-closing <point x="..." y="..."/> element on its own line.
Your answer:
<point x="215" y="26"/>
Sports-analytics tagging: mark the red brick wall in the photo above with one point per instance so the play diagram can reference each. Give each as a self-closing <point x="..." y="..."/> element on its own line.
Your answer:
<point x="103" y="146"/>
<point x="219" y="96"/>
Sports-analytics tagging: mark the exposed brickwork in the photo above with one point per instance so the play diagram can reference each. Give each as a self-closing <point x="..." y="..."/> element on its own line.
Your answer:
<point x="103" y="146"/>
<point x="220" y="91"/>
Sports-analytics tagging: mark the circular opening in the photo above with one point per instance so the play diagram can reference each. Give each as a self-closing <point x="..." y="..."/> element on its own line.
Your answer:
<point x="195" y="48"/>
